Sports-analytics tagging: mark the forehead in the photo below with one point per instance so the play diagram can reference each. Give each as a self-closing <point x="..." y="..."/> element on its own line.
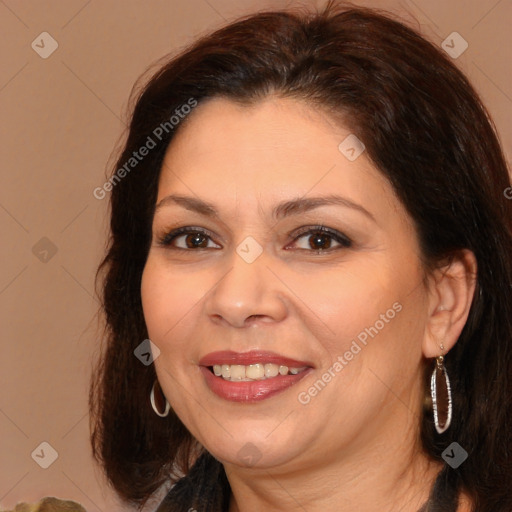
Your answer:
<point x="274" y="148"/>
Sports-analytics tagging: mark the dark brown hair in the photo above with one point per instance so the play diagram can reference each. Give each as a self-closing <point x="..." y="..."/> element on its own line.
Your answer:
<point x="425" y="129"/>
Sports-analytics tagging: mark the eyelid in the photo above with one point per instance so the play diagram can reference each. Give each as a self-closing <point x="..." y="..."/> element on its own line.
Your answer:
<point x="339" y="237"/>
<point x="168" y="236"/>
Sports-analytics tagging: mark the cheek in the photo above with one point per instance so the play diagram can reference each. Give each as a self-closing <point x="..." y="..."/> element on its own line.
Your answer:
<point x="370" y="308"/>
<point x="168" y="300"/>
<point x="346" y="300"/>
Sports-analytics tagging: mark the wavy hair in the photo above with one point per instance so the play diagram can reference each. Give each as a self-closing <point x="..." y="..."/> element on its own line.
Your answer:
<point x="425" y="129"/>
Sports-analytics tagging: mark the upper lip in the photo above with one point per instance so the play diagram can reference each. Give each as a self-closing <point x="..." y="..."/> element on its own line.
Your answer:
<point x="251" y="357"/>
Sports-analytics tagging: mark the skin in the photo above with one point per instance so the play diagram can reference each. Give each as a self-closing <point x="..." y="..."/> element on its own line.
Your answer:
<point x="355" y="444"/>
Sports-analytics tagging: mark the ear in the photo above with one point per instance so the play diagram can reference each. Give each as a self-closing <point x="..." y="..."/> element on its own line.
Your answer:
<point x="451" y="289"/>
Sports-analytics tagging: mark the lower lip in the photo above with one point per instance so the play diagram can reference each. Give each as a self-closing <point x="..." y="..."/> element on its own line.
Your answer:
<point x="250" y="391"/>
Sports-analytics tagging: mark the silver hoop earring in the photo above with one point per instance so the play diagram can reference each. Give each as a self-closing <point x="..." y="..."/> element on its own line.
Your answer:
<point x="160" y="399"/>
<point x="441" y="396"/>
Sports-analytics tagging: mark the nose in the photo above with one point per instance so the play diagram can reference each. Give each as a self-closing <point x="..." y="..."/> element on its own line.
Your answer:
<point x="248" y="293"/>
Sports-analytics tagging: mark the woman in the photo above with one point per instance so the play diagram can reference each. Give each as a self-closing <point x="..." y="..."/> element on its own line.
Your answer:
<point x="309" y="222"/>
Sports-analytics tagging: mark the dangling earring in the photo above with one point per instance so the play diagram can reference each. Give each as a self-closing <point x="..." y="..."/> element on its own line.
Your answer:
<point x="441" y="395"/>
<point x="160" y="399"/>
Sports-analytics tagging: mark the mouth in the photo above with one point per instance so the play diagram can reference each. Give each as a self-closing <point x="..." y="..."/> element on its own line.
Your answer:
<point x="251" y="376"/>
<point x="252" y="372"/>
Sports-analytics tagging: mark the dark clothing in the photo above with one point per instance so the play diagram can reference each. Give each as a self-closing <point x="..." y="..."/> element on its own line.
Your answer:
<point x="204" y="489"/>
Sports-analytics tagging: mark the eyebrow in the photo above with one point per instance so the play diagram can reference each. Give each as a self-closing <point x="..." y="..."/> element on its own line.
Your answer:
<point x="281" y="210"/>
<point x="190" y="203"/>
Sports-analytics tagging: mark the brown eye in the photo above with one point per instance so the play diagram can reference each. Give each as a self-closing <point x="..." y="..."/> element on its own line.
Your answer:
<point x="188" y="238"/>
<point x="196" y="240"/>
<point x="320" y="241"/>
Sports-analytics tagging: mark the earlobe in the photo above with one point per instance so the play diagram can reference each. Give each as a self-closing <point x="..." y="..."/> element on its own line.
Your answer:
<point x="451" y="290"/>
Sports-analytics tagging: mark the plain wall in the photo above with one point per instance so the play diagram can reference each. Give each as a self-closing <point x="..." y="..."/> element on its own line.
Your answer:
<point x="61" y="118"/>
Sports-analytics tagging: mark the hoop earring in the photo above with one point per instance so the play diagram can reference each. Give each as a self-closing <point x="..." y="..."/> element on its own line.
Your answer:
<point x="438" y="381"/>
<point x="160" y="398"/>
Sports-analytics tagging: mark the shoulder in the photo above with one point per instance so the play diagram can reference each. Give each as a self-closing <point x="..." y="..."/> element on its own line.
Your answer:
<point x="49" y="504"/>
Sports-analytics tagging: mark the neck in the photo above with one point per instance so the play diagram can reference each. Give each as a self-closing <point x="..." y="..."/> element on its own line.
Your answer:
<point x="380" y="477"/>
<point x="320" y="492"/>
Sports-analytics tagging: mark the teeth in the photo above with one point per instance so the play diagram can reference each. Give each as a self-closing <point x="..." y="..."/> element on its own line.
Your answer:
<point x="255" y="371"/>
<point x="237" y="372"/>
<point x="225" y="371"/>
<point x="271" y="370"/>
<point x="258" y="371"/>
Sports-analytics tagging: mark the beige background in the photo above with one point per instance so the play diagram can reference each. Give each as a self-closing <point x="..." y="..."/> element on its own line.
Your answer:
<point x="61" y="118"/>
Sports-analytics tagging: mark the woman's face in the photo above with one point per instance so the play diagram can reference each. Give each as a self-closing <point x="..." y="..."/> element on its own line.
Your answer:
<point x="293" y="248"/>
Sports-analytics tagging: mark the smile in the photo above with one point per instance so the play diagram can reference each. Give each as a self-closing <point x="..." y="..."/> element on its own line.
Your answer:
<point x="251" y="376"/>
<point x="252" y="372"/>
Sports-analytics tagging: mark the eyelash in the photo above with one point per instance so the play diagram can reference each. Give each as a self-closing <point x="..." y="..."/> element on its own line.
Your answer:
<point x="344" y="241"/>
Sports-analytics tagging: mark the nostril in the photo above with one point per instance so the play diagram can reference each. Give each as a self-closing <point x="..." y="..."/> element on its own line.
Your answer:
<point x="254" y="317"/>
